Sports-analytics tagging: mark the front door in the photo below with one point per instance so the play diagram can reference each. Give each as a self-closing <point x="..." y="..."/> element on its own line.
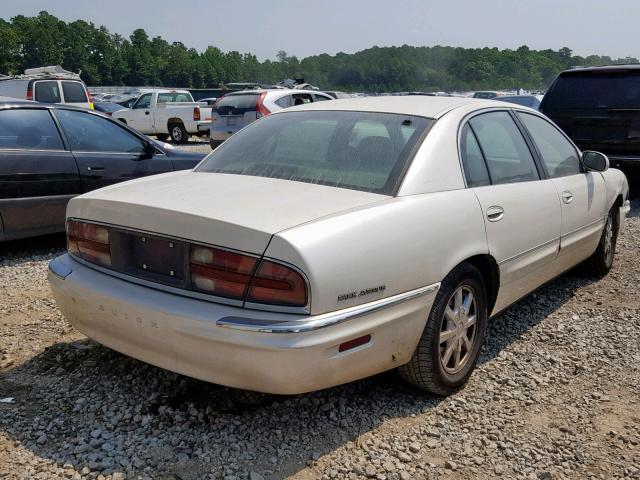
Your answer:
<point x="106" y="152"/>
<point x="521" y="209"/>
<point x="582" y="194"/>
<point x="141" y="117"/>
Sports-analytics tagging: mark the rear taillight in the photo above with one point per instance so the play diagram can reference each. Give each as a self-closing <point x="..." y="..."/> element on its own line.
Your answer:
<point x="91" y="106"/>
<point x="277" y="284"/>
<point x="261" y="110"/>
<point x="219" y="272"/>
<point x="89" y="242"/>
<point x="29" y="94"/>
<point x="196" y="114"/>
<point x="233" y="275"/>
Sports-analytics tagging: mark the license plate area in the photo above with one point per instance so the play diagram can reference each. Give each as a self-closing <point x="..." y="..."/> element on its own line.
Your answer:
<point x="231" y="121"/>
<point x="152" y="258"/>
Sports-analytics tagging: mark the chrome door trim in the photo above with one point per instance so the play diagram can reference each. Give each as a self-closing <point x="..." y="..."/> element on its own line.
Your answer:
<point x="527" y="252"/>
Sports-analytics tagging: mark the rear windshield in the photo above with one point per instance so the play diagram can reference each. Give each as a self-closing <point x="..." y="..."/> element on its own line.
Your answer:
<point x="594" y="90"/>
<point x="74" y="92"/>
<point x="174" y="97"/>
<point x="354" y="150"/>
<point x="239" y="102"/>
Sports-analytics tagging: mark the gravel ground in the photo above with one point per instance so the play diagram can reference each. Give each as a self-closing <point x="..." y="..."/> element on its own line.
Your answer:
<point x="555" y="396"/>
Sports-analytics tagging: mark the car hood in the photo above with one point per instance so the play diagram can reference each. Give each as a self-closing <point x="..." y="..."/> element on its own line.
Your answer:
<point x="235" y="211"/>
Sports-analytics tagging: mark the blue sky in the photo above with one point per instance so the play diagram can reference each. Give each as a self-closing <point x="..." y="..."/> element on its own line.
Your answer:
<point x="307" y="28"/>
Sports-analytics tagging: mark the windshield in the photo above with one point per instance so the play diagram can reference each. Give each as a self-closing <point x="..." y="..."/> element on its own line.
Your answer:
<point x="355" y="150"/>
<point x="594" y="90"/>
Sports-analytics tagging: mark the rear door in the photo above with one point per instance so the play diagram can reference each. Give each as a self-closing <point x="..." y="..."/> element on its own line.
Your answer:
<point x="38" y="175"/>
<point x="74" y="93"/>
<point x="582" y="194"/>
<point x="107" y="152"/>
<point x="521" y="207"/>
<point x="47" y="91"/>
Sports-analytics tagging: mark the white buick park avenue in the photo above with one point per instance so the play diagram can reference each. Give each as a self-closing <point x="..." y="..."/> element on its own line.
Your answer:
<point x="336" y="240"/>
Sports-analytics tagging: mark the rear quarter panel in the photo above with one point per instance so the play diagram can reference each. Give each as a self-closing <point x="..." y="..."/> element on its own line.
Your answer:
<point x="402" y="244"/>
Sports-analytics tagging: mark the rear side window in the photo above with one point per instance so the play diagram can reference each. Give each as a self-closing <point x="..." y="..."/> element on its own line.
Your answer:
<point x="558" y="155"/>
<point x="594" y="90"/>
<point x="47" y="91"/>
<point x="284" y="102"/>
<point x="505" y="151"/>
<point x="475" y="169"/>
<point x="301" y="99"/>
<point x="91" y="133"/>
<point x="29" y="129"/>
<point x="74" y="92"/>
<point x="354" y="150"/>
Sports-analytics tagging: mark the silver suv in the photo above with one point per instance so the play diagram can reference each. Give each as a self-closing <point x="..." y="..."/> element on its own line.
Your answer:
<point x="238" y="109"/>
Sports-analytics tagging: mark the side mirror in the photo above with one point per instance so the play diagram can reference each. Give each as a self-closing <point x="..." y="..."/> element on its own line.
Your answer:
<point x="595" y="161"/>
<point x="149" y="150"/>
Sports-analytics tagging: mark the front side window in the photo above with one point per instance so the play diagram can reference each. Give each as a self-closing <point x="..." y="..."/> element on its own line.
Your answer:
<point x="354" y="150"/>
<point x="558" y="155"/>
<point x="92" y="133"/>
<point x="47" y="92"/>
<point x="144" y="101"/>
<point x="28" y="128"/>
<point x="505" y="151"/>
<point x="320" y="98"/>
<point x="74" y="92"/>
<point x="475" y="169"/>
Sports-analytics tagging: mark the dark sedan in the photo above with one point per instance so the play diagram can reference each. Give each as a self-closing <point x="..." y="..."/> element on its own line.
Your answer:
<point x="51" y="153"/>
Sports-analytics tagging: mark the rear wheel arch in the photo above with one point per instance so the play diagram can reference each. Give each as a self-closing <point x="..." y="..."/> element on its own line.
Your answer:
<point x="174" y="121"/>
<point x="490" y="272"/>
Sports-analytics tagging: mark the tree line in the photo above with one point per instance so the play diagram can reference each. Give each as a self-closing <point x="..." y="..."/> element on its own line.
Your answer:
<point x="109" y="59"/>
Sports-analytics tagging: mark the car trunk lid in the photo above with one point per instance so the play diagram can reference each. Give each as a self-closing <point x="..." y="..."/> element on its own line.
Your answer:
<point x="233" y="211"/>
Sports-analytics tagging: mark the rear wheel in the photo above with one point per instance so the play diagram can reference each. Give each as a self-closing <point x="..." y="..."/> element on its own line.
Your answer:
<point x="601" y="261"/>
<point x="450" y="344"/>
<point x="178" y="133"/>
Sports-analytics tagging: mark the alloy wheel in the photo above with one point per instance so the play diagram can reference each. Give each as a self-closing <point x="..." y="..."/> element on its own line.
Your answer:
<point x="458" y="331"/>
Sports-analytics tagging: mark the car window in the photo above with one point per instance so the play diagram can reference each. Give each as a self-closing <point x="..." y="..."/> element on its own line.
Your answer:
<point x="144" y="101"/>
<point x="29" y="129"/>
<point x="585" y="90"/>
<point x="505" y="151"/>
<point x="284" y="102"/>
<point x="475" y="168"/>
<point x="174" y="97"/>
<point x="558" y="155"/>
<point x="74" y="92"/>
<point x="301" y="99"/>
<point x="320" y="98"/>
<point x="47" y="91"/>
<point x="240" y="102"/>
<point x="92" y="133"/>
<point x="356" y="150"/>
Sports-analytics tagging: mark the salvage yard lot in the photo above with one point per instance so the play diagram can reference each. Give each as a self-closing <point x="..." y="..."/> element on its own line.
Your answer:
<point x="555" y="396"/>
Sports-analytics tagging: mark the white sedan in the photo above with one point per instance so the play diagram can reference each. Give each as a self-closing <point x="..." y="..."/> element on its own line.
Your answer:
<point x="335" y="240"/>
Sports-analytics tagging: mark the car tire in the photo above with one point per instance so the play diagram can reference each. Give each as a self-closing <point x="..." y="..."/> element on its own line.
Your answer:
<point x="215" y="144"/>
<point x="162" y="138"/>
<point x="123" y="120"/>
<point x="443" y="360"/>
<point x="178" y="133"/>
<point x="601" y="261"/>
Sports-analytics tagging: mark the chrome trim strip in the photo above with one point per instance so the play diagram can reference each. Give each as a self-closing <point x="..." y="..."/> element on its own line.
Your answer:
<point x="584" y="227"/>
<point x="325" y="320"/>
<point x="526" y="252"/>
<point x="59" y="269"/>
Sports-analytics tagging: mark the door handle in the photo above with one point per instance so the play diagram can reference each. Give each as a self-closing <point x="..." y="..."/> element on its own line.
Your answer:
<point x="147" y="112"/>
<point x="495" y="213"/>
<point x="91" y="169"/>
<point x="567" y="197"/>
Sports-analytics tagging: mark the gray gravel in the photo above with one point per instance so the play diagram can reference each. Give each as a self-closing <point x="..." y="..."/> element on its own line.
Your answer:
<point x="555" y="397"/>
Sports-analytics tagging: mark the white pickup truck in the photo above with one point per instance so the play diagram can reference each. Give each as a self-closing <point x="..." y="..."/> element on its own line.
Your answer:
<point x="167" y="113"/>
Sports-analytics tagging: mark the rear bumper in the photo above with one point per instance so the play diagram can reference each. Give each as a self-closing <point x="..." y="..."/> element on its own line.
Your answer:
<point x="204" y="128"/>
<point x="254" y="350"/>
<point x="221" y="134"/>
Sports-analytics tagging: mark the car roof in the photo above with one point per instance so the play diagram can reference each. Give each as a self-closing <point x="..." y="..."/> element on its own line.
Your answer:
<point x="603" y="68"/>
<point x="416" y="105"/>
<point x="257" y="91"/>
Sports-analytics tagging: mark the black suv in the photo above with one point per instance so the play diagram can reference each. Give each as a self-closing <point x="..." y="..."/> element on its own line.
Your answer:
<point x="599" y="108"/>
<point x="51" y="153"/>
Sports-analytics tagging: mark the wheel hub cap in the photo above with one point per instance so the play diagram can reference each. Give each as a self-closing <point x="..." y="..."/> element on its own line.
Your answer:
<point x="458" y="332"/>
